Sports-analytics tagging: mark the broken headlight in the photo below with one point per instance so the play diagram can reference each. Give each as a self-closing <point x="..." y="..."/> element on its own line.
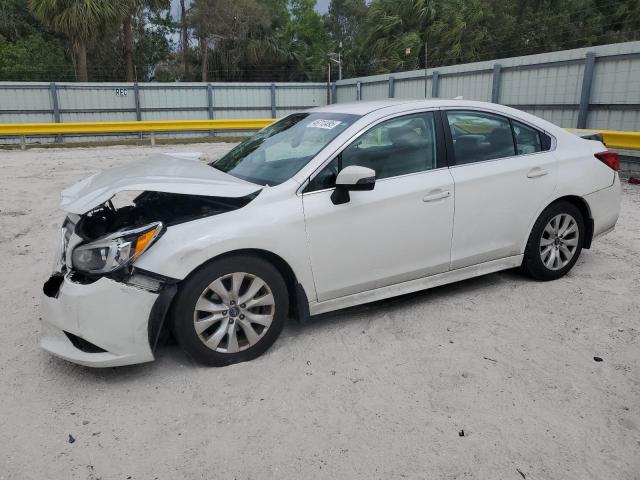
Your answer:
<point x="115" y="250"/>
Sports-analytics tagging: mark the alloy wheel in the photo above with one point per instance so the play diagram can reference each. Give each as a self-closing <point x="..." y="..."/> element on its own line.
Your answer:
<point x="559" y="241"/>
<point x="234" y="312"/>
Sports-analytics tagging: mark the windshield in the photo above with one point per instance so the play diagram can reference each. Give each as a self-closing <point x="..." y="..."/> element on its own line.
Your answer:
<point x="279" y="151"/>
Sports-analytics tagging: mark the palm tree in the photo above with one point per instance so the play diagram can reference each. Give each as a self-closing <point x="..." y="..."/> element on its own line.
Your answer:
<point x="234" y="32"/>
<point x="134" y="7"/>
<point x="80" y="20"/>
<point x="394" y="33"/>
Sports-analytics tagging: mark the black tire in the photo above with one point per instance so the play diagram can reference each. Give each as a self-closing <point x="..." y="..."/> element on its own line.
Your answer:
<point x="532" y="263"/>
<point x="183" y="309"/>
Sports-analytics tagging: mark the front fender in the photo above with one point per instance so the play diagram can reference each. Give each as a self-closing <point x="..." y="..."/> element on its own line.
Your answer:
<point x="275" y="225"/>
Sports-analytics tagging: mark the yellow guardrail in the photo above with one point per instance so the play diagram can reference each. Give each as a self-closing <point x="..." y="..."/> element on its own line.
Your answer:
<point x="616" y="138"/>
<point x="23" y="129"/>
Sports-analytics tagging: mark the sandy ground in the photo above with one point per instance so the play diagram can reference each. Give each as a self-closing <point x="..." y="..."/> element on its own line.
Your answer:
<point x="374" y="392"/>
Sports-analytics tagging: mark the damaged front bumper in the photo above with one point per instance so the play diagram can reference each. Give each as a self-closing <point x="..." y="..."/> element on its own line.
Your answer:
<point x="104" y="323"/>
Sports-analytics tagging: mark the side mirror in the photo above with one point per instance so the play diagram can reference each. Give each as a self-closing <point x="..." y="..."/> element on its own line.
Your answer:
<point x="352" y="178"/>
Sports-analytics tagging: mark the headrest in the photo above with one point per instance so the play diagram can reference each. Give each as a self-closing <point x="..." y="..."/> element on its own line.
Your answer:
<point x="468" y="142"/>
<point x="405" y="136"/>
<point x="501" y="137"/>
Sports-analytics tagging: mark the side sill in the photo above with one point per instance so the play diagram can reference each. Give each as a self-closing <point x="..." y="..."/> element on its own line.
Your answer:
<point x="457" y="275"/>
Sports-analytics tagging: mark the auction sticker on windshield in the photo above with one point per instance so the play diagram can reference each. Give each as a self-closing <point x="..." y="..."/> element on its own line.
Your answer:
<point x="326" y="124"/>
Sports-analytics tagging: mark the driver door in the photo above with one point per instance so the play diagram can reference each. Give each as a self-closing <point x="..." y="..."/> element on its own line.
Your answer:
<point x="399" y="231"/>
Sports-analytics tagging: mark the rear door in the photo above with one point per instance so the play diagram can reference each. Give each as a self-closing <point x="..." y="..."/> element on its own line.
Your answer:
<point x="504" y="173"/>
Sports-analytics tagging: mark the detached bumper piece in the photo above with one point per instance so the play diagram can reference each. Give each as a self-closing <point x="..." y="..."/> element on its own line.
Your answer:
<point x="104" y="323"/>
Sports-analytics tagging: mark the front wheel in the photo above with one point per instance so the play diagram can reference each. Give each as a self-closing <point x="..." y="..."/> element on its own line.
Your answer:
<point x="555" y="242"/>
<point x="231" y="310"/>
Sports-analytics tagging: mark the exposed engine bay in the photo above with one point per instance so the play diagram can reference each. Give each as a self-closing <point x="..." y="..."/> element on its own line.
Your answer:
<point x="168" y="208"/>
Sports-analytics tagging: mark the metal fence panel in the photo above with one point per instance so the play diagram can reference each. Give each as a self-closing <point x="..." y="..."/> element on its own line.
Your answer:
<point x="471" y="87"/>
<point x="293" y="95"/>
<point x="617" y="80"/>
<point x="409" y="88"/>
<point x="557" y="84"/>
<point x="595" y="87"/>
<point x="375" y="90"/>
<point x="610" y="119"/>
<point x="550" y="85"/>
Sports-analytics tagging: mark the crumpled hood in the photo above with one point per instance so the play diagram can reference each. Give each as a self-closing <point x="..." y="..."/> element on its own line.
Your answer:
<point x="161" y="173"/>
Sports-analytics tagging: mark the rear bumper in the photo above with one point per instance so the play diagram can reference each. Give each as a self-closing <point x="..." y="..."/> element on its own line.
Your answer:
<point x="110" y="315"/>
<point x="604" y="206"/>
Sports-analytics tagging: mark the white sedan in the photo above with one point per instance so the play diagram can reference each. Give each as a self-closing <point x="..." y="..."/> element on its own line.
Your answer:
<point x="325" y="209"/>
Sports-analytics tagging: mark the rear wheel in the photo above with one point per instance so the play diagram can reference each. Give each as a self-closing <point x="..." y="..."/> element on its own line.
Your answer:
<point x="230" y="311"/>
<point x="555" y="242"/>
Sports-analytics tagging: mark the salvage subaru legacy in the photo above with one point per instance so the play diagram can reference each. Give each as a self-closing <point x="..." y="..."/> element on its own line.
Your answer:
<point x="322" y="210"/>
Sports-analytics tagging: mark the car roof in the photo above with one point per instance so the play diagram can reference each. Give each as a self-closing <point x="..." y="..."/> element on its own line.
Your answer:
<point x="366" y="107"/>
<point x="380" y="108"/>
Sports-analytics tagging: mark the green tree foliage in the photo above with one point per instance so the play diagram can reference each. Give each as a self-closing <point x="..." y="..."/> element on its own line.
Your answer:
<point x="307" y="39"/>
<point x="81" y="21"/>
<point x="280" y="40"/>
<point x="150" y="33"/>
<point x="16" y="20"/>
<point x="394" y="33"/>
<point x="230" y="32"/>
<point x="135" y="8"/>
<point x="36" y="57"/>
<point x="27" y="51"/>
<point x="457" y="31"/>
<point x="344" y="22"/>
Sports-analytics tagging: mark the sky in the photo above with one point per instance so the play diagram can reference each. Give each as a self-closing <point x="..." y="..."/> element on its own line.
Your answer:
<point x="322" y="6"/>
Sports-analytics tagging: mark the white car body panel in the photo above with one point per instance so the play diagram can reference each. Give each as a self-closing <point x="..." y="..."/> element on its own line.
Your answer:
<point x="271" y="223"/>
<point x="380" y="237"/>
<point x="161" y="173"/>
<point x="496" y="202"/>
<point x="385" y="242"/>
<point x="604" y="206"/>
<point x="109" y="314"/>
<point x="416" y="285"/>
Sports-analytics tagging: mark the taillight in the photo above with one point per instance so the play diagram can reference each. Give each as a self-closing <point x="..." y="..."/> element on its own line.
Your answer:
<point x="610" y="159"/>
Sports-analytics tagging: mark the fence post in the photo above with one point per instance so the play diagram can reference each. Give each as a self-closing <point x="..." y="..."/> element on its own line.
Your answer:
<point x="334" y="93"/>
<point x="136" y="97"/>
<point x="359" y="90"/>
<point x="210" y="105"/>
<point x="53" y="90"/>
<point x="585" y="93"/>
<point x="435" y="80"/>
<point x="495" y="84"/>
<point x="273" y="100"/>
<point x="392" y="86"/>
<point x="210" y="100"/>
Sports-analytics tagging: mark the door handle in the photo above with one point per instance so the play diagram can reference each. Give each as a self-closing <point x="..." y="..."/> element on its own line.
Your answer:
<point x="537" y="172"/>
<point x="437" y="195"/>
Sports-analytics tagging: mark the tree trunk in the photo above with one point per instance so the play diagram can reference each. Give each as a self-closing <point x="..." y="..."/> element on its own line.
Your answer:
<point x="80" y="51"/>
<point x="184" y="37"/>
<point x="204" y="58"/>
<point x="127" y="27"/>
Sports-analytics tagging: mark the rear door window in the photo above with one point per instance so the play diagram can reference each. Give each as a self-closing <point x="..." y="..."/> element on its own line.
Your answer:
<point x="479" y="136"/>
<point x="527" y="138"/>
